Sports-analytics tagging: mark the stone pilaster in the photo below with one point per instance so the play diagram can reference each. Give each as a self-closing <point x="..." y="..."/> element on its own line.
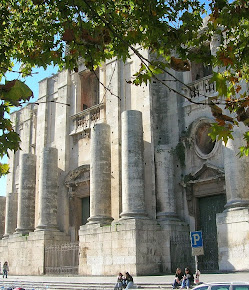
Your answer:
<point x="133" y="198"/>
<point x="48" y="190"/>
<point x="10" y="214"/>
<point x="236" y="173"/>
<point x="166" y="207"/>
<point x="100" y="175"/>
<point x="2" y="214"/>
<point x="26" y="196"/>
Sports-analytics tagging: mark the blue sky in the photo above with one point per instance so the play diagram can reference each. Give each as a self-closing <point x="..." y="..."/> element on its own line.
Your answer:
<point x="32" y="82"/>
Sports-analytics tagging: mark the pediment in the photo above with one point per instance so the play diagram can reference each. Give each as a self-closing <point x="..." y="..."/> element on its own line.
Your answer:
<point x="207" y="172"/>
<point x="79" y="175"/>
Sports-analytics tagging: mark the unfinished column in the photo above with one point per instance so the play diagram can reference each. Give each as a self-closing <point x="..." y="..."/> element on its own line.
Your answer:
<point x="100" y="175"/>
<point x="166" y="207"/>
<point x="26" y="195"/>
<point x="133" y="199"/>
<point x="10" y="214"/>
<point x="236" y="173"/>
<point x="48" y="189"/>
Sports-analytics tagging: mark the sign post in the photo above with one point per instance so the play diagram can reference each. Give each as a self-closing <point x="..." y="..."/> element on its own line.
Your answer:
<point x="197" y="250"/>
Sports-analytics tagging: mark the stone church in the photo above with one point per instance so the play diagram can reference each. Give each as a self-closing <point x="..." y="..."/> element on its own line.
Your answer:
<point x="113" y="177"/>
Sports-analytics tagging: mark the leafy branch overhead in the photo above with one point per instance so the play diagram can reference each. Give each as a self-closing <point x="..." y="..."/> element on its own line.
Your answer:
<point x="12" y="93"/>
<point x="44" y="32"/>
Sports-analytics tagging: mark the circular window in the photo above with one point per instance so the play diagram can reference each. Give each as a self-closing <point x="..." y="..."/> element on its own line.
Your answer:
<point x="202" y="140"/>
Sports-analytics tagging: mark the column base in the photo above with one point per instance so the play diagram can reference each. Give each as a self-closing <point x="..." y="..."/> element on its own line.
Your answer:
<point x="23" y="231"/>
<point x="236" y="204"/>
<point x="134" y="215"/>
<point x="100" y="219"/>
<point x="6" y="236"/>
<point x="46" y="228"/>
<point x="164" y="216"/>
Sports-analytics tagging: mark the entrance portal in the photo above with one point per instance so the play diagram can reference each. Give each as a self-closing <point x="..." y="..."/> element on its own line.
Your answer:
<point x="208" y="208"/>
<point x="85" y="209"/>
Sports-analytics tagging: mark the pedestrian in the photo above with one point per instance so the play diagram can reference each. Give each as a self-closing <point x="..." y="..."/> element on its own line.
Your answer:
<point x="188" y="279"/>
<point x="178" y="278"/>
<point x="5" y="269"/>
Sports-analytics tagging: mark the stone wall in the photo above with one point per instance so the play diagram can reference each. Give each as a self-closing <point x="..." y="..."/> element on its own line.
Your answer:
<point x="25" y="254"/>
<point x="233" y="240"/>
<point x="128" y="245"/>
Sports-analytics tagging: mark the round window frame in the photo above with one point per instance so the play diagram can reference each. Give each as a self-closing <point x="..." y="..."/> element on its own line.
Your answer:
<point x="197" y="124"/>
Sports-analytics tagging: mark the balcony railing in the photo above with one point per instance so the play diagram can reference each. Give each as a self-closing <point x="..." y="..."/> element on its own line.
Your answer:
<point x="84" y="120"/>
<point x="201" y="89"/>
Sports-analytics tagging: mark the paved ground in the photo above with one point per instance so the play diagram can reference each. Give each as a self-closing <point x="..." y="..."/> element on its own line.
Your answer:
<point x="238" y="276"/>
<point x="103" y="282"/>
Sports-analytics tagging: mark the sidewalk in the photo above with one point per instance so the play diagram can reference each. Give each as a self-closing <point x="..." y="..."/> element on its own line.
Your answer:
<point x="223" y="277"/>
<point x="103" y="282"/>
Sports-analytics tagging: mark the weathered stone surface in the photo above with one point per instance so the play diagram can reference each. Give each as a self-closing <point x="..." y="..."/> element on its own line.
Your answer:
<point x="2" y="214"/>
<point x="100" y="172"/>
<point x="237" y="172"/>
<point x="26" y="196"/>
<point x="166" y="202"/>
<point x="233" y="239"/>
<point x="133" y="200"/>
<point x="48" y="190"/>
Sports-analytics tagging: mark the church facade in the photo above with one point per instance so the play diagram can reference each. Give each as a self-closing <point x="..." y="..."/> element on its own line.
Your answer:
<point x="122" y="174"/>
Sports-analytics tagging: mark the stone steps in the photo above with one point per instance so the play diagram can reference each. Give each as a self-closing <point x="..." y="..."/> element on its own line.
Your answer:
<point x="28" y="285"/>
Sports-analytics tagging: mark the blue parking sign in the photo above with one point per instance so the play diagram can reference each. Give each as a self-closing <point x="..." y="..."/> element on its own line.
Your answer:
<point x="196" y="239"/>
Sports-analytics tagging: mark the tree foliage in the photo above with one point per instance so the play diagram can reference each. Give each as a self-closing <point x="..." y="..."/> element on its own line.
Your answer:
<point x="44" y="32"/>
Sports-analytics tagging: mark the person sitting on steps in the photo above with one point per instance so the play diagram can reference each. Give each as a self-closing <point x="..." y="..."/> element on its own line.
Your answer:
<point x="178" y="278"/>
<point x="119" y="284"/>
<point x="128" y="280"/>
<point x="188" y="279"/>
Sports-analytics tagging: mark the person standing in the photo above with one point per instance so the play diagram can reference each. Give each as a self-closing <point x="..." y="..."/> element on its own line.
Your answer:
<point x="5" y="269"/>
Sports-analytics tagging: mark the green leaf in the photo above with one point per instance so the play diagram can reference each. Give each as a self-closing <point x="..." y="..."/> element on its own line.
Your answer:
<point x="221" y="83"/>
<point x="15" y="92"/>
<point x="220" y="132"/>
<point x="4" y="169"/>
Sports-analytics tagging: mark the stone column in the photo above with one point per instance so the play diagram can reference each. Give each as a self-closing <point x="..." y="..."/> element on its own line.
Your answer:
<point x="48" y="190"/>
<point x="2" y="215"/>
<point x="26" y="195"/>
<point x="133" y="198"/>
<point x="100" y="175"/>
<point x="236" y="173"/>
<point x="166" y="207"/>
<point x="10" y="214"/>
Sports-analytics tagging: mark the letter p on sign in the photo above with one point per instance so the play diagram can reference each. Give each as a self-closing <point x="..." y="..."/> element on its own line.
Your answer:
<point x="196" y="238"/>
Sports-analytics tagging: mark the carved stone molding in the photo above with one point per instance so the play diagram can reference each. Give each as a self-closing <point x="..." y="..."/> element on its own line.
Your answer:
<point x="78" y="181"/>
<point x="208" y="180"/>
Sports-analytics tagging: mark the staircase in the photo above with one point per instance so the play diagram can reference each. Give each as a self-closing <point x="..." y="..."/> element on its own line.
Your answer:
<point x="28" y="285"/>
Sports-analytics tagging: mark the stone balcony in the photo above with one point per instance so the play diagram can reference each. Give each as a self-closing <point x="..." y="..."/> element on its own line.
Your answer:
<point x="200" y="90"/>
<point x="85" y="120"/>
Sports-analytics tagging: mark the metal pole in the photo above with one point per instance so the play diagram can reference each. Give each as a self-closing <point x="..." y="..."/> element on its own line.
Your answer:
<point x="196" y="264"/>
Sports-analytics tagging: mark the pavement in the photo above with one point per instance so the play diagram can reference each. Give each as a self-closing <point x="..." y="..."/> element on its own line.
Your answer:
<point x="108" y="282"/>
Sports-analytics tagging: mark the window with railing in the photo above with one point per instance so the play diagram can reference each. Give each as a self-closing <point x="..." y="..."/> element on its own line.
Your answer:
<point x="91" y="110"/>
<point x="199" y="71"/>
<point x="89" y="89"/>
